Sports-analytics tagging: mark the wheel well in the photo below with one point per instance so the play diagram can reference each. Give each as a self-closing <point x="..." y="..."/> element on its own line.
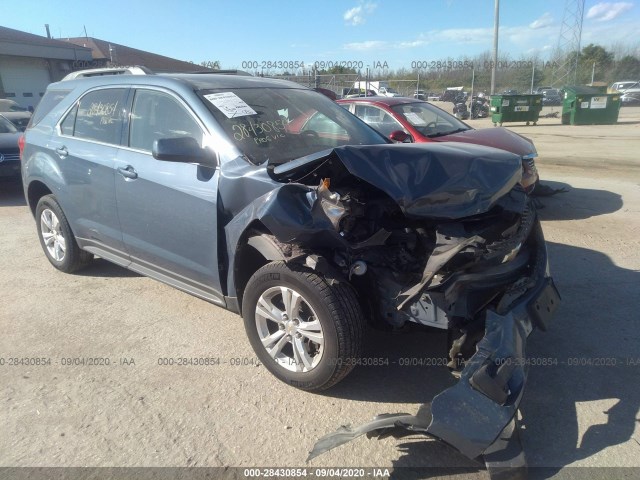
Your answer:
<point x="248" y="261"/>
<point x="35" y="192"/>
<point x="256" y="248"/>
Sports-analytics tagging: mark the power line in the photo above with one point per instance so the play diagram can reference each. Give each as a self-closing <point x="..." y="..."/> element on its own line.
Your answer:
<point x="568" y="49"/>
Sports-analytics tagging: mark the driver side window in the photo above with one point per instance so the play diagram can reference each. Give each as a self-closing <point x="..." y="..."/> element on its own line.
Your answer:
<point x="156" y="115"/>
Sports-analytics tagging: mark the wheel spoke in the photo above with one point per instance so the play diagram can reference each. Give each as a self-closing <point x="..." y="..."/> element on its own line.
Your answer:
<point x="54" y="221"/>
<point x="278" y="346"/>
<point x="46" y="219"/>
<point x="301" y="355"/>
<point x="58" y="252"/>
<point x="271" y="339"/>
<point x="48" y="238"/>
<point x="312" y="331"/>
<point x="291" y="301"/>
<point x="268" y="310"/>
<point x="62" y="242"/>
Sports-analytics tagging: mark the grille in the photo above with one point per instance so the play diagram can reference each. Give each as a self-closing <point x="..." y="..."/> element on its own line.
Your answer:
<point x="7" y="157"/>
<point x="531" y="164"/>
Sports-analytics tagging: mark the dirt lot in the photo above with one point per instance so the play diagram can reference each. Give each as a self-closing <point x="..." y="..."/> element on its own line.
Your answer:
<point x="580" y="411"/>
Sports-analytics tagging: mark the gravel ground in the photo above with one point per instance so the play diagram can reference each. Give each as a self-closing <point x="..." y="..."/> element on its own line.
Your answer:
<point x="581" y="411"/>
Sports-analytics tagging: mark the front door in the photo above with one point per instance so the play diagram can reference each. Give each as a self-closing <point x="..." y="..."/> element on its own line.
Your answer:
<point x="167" y="209"/>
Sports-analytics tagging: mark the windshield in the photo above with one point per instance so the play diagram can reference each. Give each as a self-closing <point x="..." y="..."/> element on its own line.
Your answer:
<point x="282" y="124"/>
<point x="429" y="120"/>
<point x="6" y="126"/>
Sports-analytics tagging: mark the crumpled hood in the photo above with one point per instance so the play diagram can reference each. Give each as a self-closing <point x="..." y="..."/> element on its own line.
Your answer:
<point x="497" y="137"/>
<point x="449" y="180"/>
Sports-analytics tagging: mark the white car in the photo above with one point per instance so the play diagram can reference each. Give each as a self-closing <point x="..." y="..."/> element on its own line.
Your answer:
<point x="625" y="85"/>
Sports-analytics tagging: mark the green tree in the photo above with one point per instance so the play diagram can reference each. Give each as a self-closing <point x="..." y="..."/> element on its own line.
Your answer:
<point x="339" y="69"/>
<point x="628" y="67"/>
<point x="595" y="53"/>
<point x="590" y="55"/>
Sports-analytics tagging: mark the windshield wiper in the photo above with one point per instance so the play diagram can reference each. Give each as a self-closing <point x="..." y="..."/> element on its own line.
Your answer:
<point x="442" y="134"/>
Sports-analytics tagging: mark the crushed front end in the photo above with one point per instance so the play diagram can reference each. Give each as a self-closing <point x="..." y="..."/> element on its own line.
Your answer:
<point x="446" y="237"/>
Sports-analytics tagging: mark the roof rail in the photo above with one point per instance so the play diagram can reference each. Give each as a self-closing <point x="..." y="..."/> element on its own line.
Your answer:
<point x="218" y="72"/>
<point x="97" y="72"/>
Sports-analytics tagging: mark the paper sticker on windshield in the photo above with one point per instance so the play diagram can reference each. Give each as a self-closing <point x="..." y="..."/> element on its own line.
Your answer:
<point x="230" y="104"/>
<point x="415" y="119"/>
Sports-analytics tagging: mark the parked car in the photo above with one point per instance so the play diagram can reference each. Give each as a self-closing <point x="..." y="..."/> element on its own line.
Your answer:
<point x="539" y="90"/>
<point x="410" y="120"/>
<point x="624" y="85"/>
<point x="420" y="95"/>
<point x="327" y="93"/>
<point x="360" y="93"/>
<point x="16" y="114"/>
<point x="270" y="200"/>
<point x="9" y="151"/>
<point x="630" y="98"/>
<point x="433" y="97"/>
<point x="551" y="97"/>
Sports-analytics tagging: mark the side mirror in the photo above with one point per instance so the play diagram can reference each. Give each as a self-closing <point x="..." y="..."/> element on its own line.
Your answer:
<point x="399" y="136"/>
<point x="184" y="150"/>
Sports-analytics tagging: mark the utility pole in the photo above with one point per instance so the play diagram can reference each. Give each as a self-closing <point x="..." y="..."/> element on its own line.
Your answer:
<point x="593" y="72"/>
<point x="496" y="19"/>
<point x="533" y="74"/>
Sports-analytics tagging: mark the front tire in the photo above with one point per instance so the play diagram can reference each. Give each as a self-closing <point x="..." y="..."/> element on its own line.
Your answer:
<point x="306" y="329"/>
<point x="56" y="237"/>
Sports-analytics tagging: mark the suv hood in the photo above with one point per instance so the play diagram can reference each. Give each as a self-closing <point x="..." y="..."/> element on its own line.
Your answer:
<point x="425" y="180"/>
<point x="497" y="137"/>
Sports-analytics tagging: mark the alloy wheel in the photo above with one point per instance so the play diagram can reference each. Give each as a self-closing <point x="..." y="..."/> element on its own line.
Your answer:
<point x="51" y="232"/>
<point x="289" y="329"/>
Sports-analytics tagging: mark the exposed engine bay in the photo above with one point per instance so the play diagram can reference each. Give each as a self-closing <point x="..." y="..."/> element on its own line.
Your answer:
<point x="435" y="271"/>
<point x="429" y="272"/>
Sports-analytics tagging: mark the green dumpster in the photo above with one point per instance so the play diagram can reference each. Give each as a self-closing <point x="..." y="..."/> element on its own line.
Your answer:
<point x="515" y="108"/>
<point x="584" y="105"/>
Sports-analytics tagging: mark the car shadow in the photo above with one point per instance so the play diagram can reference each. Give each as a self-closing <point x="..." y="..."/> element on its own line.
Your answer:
<point x="11" y="193"/>
<point x="105" y="269"/>
<point x="576" y="203"/>
<point x="590" y="375"/>
<point x="594" y="337"/>
<point x="405" y="367"/>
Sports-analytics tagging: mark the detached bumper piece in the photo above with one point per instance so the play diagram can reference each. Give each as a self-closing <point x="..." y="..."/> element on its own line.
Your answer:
<point x="477" y="415"/>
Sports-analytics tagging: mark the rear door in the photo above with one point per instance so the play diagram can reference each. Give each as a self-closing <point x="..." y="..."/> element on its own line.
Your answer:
<point x="86" y="146"/>
<point x="168" y="209"/>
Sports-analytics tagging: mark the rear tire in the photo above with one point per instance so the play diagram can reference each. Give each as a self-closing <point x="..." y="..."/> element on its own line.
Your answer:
<point x="306" y="329"/>
<point x="56" y="237"/>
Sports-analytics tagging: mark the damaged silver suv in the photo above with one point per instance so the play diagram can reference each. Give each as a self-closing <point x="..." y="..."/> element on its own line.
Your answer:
<point x="270" y="200"/>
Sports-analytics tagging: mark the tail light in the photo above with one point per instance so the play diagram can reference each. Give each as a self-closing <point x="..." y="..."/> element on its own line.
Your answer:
<point x="21" y="145"/>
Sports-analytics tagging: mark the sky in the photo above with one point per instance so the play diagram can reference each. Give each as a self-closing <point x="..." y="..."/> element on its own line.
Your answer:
<point x="370" y="33"/>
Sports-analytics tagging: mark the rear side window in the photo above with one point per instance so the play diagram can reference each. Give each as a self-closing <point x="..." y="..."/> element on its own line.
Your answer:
<point x="51" y="99"/>
<point x="97" y="116"/>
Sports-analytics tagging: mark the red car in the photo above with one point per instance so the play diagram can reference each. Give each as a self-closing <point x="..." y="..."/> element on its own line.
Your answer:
<point x="411" y="120"/>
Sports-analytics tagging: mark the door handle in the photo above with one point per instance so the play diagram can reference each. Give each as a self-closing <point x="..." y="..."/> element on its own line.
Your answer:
<point x="128" y="172"/>
<point x="62" y="151"/>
